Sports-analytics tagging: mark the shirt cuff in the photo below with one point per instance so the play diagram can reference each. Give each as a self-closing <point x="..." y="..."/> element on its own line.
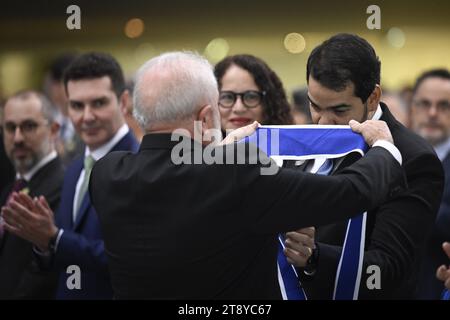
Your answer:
<point x="41" y="253"/>
<point x="48" y="253"/>
<point x="389" y="147"/>
<point x="58" y="238"/>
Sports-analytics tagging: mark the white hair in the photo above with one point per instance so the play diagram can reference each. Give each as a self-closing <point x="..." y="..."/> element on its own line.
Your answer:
<point x="184" y="83"/>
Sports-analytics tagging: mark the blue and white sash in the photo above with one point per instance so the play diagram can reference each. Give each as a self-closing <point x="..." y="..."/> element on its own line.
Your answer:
<point x="307" y="142"/>
<point x="446" y="294"/>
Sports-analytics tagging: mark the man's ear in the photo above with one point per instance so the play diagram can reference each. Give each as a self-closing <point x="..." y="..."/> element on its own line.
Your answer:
<point x="374" y="99"/>
<point x="125" y="102"/>
<point x="54" y="129"/>
<point x="205" y="115"/>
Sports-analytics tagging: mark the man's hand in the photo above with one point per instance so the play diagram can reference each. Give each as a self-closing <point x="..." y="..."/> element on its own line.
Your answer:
<point x="372" y="130"/>
<point x="240" y="133"/>
<point x="299" y="246"/>
<point x="443" y="272"/>
<point x="30" y="219"/>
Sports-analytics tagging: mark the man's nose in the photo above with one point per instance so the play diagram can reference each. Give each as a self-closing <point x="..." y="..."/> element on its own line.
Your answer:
<point x="432" y="111"/>
<point x="88" y="115"/>
<point x="325" y="119"/>
<point x="18" y="136"/>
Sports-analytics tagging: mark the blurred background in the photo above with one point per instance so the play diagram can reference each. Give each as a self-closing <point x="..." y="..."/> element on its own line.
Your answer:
<point x="414" y="35"/>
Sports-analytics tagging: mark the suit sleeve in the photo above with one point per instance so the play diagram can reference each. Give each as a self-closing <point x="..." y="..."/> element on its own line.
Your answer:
<point x="399" y="234"/>
<point x="74" y="248"/>
<point x="291" y="199"/>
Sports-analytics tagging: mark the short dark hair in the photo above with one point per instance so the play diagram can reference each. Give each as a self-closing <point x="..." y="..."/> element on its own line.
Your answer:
<point x="276" y="109"/>
<point x="96" y="65"/>
<point x="60" y="64"/>
<point x="344" y="59"/>
<point x="434" y="73"/>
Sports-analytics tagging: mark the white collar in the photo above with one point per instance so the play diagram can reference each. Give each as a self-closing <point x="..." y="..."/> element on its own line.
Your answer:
<point x="100" y="152"/>
<point x="442" y="149"/>
<point x="377" y="115"/>
<point x="28" y="175"/>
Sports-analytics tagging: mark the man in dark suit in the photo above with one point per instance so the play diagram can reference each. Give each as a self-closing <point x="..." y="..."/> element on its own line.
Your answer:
<point x="96" y="92"/>
<point x="343" y="75"/>
<point x="177" y="227"/>
<point x="430" y="118"/>
<point x="30" y="132"/>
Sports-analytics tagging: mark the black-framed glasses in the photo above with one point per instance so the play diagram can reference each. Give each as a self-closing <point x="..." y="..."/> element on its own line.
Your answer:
<point x="250" y="98"/>
<point x="27" y="127"/>
<point x="442" y="106"/>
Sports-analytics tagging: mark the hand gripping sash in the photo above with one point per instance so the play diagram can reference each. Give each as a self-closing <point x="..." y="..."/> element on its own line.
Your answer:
<point x="317" y="142"/>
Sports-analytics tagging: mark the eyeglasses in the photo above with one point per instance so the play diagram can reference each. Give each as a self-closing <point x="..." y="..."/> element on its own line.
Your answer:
<point x="250" y="99"/>
<point x="27" y="127"/>
<point x="425" y="105"/>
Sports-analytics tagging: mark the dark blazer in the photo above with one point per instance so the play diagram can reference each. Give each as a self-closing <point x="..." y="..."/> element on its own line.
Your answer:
<point x="19" y="276"/>
<point x="198" y="231"/>
<point x="6" y="168"/>
<point x="395" y="231"/>
<point x="81" y="243"/>
<point x="429" y="286"/>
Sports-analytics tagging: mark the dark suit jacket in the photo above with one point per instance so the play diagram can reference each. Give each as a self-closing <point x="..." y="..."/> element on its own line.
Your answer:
<point x="6" y="168"/>
<point x="19" y="277"/>
<point x="395" y="231"/>
<point x="198" y="231"/>
<point x="81" y="243"/>
<point x="429" y="286"/>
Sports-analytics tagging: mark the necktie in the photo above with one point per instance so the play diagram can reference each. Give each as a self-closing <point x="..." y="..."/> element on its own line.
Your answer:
<point x="88" y="164"/>
<point x="18" y="186"/>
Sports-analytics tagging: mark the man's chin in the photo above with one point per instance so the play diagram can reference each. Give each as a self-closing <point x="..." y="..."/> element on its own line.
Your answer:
<point x="433" y="136"/>
<point x="93" y="141"/>
<point x="23" y="164"/>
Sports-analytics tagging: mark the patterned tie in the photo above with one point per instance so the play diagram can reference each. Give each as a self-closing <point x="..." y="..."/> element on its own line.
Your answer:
<point x="88" y="164"/>
<point x="19" y="185"/>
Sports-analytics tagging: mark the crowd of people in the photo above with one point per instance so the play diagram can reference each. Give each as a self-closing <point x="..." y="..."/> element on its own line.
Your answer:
<point x="88" y="180"/>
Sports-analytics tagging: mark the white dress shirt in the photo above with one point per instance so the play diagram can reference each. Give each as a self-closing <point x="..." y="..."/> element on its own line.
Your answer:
<point x="97" y="154"/>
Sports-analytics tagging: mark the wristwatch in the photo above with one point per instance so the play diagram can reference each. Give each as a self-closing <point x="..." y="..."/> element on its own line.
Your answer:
<point x="312" y="262"/>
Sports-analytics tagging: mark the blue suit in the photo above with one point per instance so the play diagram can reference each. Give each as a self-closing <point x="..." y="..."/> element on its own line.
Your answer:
<point x="81" y="243"/>
<point x="429" y="287"/>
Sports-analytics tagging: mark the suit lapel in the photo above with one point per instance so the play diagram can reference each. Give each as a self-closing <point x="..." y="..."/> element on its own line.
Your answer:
<point x="70" y="183"/>
<point x="85" y="205"/>
<point x="127" y="143"/>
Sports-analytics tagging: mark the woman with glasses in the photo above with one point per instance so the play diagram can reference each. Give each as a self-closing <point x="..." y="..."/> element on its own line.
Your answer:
<point x="249" y="91"/>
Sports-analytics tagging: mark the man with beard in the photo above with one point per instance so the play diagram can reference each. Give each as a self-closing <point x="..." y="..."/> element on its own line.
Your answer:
<point x="97" y="96"/>
<point x="343" y="75"/>
<point x="29" y="133"/>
